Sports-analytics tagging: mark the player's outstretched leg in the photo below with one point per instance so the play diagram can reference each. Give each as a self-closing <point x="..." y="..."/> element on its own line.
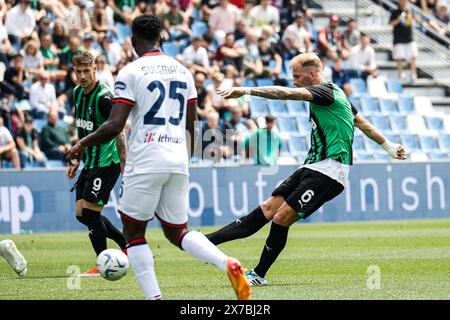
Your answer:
<point x="12" y="255"/>
<point x="199" y="247"/>
<point x="275" y="243"/>
<point x="141" y="257"/>
<point x="114" y="234"/>
<point x="249" y="224"/>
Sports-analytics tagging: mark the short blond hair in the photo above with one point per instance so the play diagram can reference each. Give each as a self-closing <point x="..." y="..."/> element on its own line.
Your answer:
<point x="84" y="58"/>
<point x="307" y="60"/>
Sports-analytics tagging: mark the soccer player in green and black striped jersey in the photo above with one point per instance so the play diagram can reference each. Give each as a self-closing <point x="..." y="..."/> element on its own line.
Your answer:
<point x="324" y="174"/>
<point x="102" y="163"/>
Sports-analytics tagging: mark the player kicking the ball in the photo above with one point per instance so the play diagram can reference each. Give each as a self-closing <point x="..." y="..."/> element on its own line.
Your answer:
<point x="12" y="255"/>
<point x="102" y="163"/>
<point x="324" y="174"/>
<point x="159" y="95"/>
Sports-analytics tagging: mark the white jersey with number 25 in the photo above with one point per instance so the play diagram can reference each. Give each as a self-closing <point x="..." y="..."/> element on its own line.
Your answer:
<point x="158" y="88"/>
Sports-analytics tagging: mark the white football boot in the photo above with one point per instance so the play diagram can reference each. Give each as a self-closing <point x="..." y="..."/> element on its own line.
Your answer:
<point x="8" y="250"/>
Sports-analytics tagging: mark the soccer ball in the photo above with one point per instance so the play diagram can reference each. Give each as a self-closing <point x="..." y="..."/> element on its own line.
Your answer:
<point x="112" y="264"/>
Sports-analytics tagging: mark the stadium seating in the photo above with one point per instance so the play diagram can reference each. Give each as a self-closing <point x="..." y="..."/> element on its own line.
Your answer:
<point x="406" y="105"/>
<point x="297" y="145"/>
<point x="434" y="123"/>
<point x="296" y="108"/>
<point x="303" y="124"/>
<point x="394" y="86"/>
<point x="388" y="106"/>
<point x="278" y="108"/>
<point x="287" y="124"/>
<point x="369" y="105"/>
<point x="398" y="123"/>
<point x="258" y="107"/>
<point x="170" y="48"/>
<point x="381" y="123"/>
<point x="410" y="141"/>
<point x="358" y="86"/>
<point x="428" y="143"/>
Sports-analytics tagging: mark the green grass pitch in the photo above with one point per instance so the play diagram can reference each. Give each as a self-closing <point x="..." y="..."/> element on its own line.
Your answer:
<point x="320" y="261"/>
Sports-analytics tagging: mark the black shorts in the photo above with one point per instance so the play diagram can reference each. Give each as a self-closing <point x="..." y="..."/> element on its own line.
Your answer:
<point x="94" y="185"/>
<point x="307" y="190"/>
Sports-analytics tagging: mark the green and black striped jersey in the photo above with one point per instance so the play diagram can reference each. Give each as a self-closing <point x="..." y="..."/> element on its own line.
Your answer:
<point x="91" y="110"/>
<point x="332" y="124"/>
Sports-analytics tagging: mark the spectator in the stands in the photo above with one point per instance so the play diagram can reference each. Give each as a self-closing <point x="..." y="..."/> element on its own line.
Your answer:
<point x="15" y="77"/>
<point x="296" y="38"/>
<point x="442" y="15"/>
<point x="245" y="12"/>
<point x="100" y="20"/>
<point x="60" y="34"/>
<point x="206" y="7"/>
<point x="88" y="44"/>
<point x="5" y="44"/>
<point x="55" y="142"/>
<point x="103" y="72"/>
<point x="241" y="29"/>
<point x="28" y="144"/>
<point x="221" y="105"/>
<point x="204" y="103"/>
<point x="20" y="22"/>
<point x="239" y="129"/>
<point x="326" y="70"/>
<point x="213" y="139"/>
<point x="51" y="60"/>
<point x="79" y="21"/>
<point x="32" y="59"/>
<point x="175" y="24"/>
<point x="230" y="53"/>
<point x="362" y="58"/>
<point x="66" y="57"/>
<point x="265" y="14"/>
<point x="252" y="61"/>
<point x="223" y="20"/>
<point x="405" y="48"/>
<point x="43" y="97"/>
<point x="429" y="6"/>
<point x="340" y="76"/>
<point x="351" y="34"/>
<point x="8" y="150"/>
<point x="112" y="51"/>
<point x="263" y="146"/>
<point x="330" y="41"/>
<point x="123" y="10"/>
<point x="267" y="55"/>
<point x="195" y="57"/>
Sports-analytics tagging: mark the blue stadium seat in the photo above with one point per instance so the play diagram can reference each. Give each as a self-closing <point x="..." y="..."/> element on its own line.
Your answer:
<point x="248" y="83"/>
<point x="296" y="108"/>
<point x="39" y="124"/>
<point x="388" y="106"/>
<point x="398" y="123"/>
<point x="444" y="142"/>
<point x="199" y="28"/>
<point x="410" y="141"/>
<point x="363" y="155"/>
<point x="434" y="123"/>
<point x="55" y="164"/>
<point x="406" y="105"/>
<point x="358" y="143"/>
<point x="298" y="145"/>
<point x="303" y="124"/>
<point x="170" y="48"/>
<point x="395" y="138"/>
<point x="287" y="124"/>
<point x="284" y="151"/>
<point x="438" y="155"/>
<point x="371" y="146"/>
<point x="5" y="164"/>
<point x="356" y="102"/>
<point x="263" y="82"/>
<point x="258" y="107"/>
<point x="381" y="156"/>
<point x="278" y="108"/>
<point x="394" y="86"/>
<point x="358" y="86"/>
<point x="369" y="105"/>
<point x="380" y="122"/>
<point x="428" y="143"/>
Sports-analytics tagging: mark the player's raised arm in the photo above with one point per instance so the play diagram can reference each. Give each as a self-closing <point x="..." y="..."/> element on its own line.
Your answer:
<point x="269" y="92"/>
<point x="395" y="150"/>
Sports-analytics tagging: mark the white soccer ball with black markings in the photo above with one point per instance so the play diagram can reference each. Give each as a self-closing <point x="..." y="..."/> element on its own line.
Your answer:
<point x="112" y="264"/>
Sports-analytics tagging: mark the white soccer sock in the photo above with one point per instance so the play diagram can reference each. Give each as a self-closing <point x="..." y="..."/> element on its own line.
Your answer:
<point x="141" y="260"/>
<point x="198" y="246"/>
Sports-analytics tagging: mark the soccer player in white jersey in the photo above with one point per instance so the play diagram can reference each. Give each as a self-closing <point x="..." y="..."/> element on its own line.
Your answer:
<point x="159" y="95"/>
<point x="12" y="255"/>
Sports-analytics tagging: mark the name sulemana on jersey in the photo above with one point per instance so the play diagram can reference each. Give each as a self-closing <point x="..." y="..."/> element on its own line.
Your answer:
<point x="162" y="69"/>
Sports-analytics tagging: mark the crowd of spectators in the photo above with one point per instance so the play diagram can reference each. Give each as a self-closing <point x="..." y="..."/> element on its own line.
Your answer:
<point x="224" y="43"/>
